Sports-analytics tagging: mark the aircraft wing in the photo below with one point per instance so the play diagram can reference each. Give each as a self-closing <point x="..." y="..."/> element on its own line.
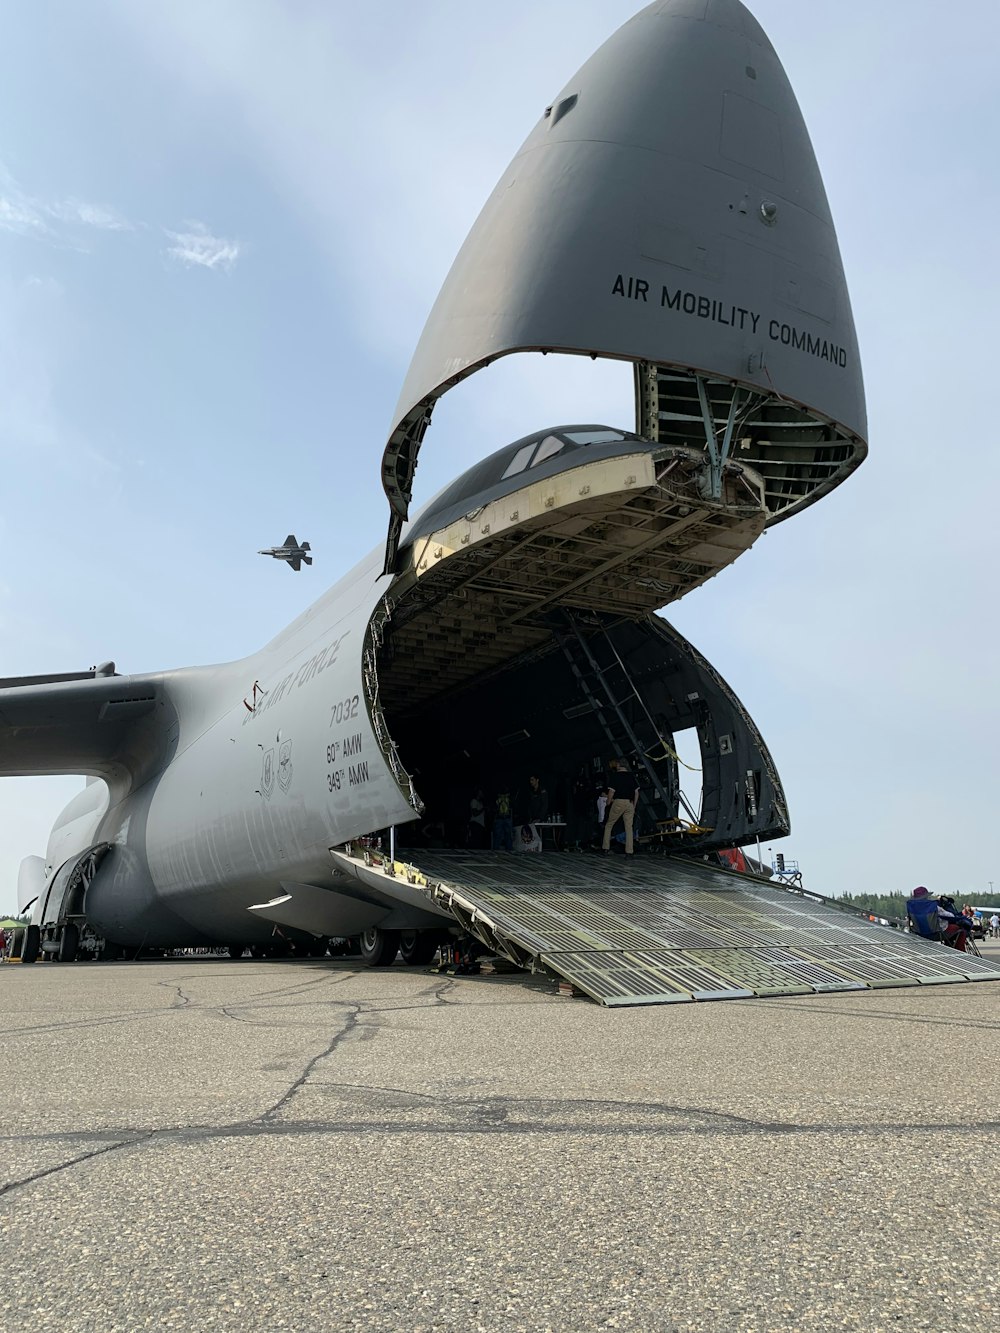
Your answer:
<point x="99" y="725"/>
<point x="295" y="561"/>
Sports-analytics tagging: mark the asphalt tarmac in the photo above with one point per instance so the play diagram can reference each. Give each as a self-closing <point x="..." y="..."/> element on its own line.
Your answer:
<point x="203" y="1144"/>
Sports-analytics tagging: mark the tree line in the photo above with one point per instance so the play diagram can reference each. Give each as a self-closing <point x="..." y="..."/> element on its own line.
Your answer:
<point x="880" y="904"/>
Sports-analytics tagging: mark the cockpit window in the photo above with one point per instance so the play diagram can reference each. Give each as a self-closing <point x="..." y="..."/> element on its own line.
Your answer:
<point x="519" y="462"/>
<point x="547" y="449"/>
<point x="594" y="436"/>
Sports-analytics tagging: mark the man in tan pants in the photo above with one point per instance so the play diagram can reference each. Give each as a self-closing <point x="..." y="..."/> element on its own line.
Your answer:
<point x="623" y="793"/>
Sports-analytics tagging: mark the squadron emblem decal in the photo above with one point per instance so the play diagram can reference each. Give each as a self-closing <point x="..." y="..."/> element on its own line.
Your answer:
<point x="267" y="774"/>
<point x="285" y="766"/>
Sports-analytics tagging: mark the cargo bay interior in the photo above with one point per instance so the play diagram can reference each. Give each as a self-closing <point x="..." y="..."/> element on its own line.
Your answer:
<point x="519" y="637"/>
<point x="598" y="686"/>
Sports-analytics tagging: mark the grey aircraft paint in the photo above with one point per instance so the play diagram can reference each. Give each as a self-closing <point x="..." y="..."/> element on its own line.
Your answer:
<point x="291" y="552"/>
<point x="672" y="172"/>
<point x="666" y="209"/>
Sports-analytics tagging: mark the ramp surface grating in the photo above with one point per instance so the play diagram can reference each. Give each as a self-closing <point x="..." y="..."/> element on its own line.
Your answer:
<point x="659" y="930"/>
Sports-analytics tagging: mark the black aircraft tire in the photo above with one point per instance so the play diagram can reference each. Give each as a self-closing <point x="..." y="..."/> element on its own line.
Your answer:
<point x="32" y="944"/>
<point x="418" y="947"/>
<point x="69" y="943"/>
<point x="236" y="950"/>
<point x="379" y="947"/>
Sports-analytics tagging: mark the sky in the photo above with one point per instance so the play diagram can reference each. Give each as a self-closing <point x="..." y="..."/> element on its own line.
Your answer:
<point x="222" y="226"/>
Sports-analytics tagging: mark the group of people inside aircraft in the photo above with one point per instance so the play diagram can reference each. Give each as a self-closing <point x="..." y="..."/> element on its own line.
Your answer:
<point x="567" y="812"/>
<point x="512" y="817"/>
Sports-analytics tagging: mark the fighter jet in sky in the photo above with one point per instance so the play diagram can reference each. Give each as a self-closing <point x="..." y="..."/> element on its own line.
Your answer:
<point x="291" y="552"/>
<point x="666" y="211"/>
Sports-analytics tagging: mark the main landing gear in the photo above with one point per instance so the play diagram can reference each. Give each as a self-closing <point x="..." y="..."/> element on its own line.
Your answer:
<point x="418" y="947"/>
<point x="31" y="946"/>
<point x="69" y="943"/>
<point x="378" y="948"/>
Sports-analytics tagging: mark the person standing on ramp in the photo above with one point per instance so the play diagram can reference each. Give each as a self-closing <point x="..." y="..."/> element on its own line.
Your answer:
<point x="623" y="794"/>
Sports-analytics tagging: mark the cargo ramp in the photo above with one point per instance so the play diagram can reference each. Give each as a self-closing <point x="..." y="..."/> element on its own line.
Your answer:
<point x="664" y="930"/>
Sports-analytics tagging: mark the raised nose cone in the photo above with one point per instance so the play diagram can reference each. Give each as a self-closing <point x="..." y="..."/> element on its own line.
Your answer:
<point x="666" y="210"/>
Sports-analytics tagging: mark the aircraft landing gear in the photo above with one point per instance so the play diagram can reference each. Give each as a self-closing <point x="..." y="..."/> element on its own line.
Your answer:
<point x="32" y="945"/>
<point x="69" y="943"/>
<point x="379" y="947"/>
<point x="418" y="947"/>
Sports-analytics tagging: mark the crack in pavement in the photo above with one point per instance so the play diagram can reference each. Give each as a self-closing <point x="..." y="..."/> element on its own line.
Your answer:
<point x="182" y="1000"/>
<point x="496" y="1115"/>
<point x="105" y="1021"/>
<point x="250" y="1126"/>
<point x="459" y="1115"/>
<point x="76" y="1161"/>
<point x="984" y="1024"/>
<point x="350" y="1024"/>
<point x="130" y="1015"/>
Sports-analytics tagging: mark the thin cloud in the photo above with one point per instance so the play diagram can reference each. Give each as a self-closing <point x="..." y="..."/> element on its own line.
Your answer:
<point x="89" y="215"/>
<point x="19" y="213"/>
<point x="26" y="215"/>
<point x="198" y="248"/>
<point x="17" y="217"/>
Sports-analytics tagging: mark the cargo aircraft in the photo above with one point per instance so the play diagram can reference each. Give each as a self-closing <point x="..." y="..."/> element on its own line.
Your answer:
<point x="666" y="211"/>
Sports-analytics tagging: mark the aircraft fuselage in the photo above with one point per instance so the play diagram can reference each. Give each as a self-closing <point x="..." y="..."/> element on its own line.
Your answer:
<point x="261" y="766"/>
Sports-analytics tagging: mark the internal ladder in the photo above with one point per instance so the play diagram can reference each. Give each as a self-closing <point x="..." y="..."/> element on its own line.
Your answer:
<point x="609" y="688"/>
